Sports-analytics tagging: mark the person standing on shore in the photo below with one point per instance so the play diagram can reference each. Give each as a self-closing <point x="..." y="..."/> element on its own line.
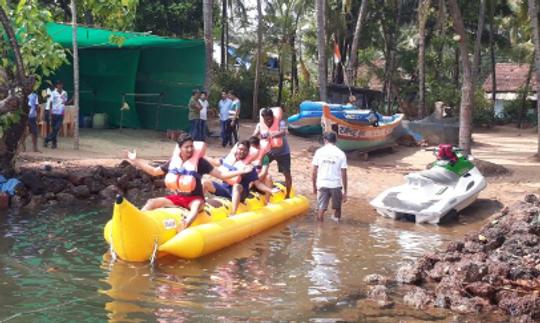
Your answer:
<point x="234" y="115"/>
<point x="329" y="177"/>
<point x="195" y="115"/>
<point x="59" y="98"/>
<point x="204" y="115"/>
<point x="32" y="119"/>
<point x="224" y="107"/>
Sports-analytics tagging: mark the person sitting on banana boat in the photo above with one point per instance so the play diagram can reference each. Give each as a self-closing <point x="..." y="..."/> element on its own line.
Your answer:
<point x="273" y="129"/>
<point x="183" y="175"/>
<point x="261" y="164"/>
<point x="237" y="188"/>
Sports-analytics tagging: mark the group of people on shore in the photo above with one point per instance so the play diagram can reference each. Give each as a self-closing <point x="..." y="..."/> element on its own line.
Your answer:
<point x="56" y="99"/>
<point x="229" y="116"/>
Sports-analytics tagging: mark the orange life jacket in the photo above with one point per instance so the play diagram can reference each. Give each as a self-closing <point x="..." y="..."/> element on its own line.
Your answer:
<point x="229" y="163"/>
<point x="182" y="175"/>
<point x="274" y="128"/>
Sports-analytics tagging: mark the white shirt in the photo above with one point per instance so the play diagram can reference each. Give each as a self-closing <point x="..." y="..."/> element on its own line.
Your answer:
<point x="49" y="99"/>
<point x="330" y="160"/>
<point x="204" y="110"/>
<point x="58" y="101"/>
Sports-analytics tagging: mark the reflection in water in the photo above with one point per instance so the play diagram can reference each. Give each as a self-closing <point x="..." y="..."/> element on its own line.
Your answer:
<point x="52" y="267"/>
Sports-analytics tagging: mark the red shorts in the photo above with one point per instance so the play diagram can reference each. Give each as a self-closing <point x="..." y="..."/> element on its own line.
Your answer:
<point x="183" y="201"/>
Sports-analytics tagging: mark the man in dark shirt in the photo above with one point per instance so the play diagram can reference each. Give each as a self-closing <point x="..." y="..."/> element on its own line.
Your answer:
<point x="194" y="201"/>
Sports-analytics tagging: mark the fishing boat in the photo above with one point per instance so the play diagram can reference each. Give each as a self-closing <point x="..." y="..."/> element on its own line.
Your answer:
<point x="353" y="133"/>
<point x="308" y="120"/>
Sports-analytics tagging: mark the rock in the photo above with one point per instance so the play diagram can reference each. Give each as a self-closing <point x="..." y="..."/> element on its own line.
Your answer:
<point x="418" y="298"/>
<point x="81" y="191"/>
<point x="133" y="194"/>
<point x="109" y="192"/>
<point x="464" y="305"/>
<point x="123" y="182"/>
<point x="33" y="181"/>
<point x="49" y="196"/>
<point x="440" y="270"/>
<point x="65" y="198"/>
<point x="469" y="272"/>
<point x="532" y="199"/>
<point x="18" y="202"/>
<point x="36" y="202"/>
<point x="484" y="290"/>
<point x="517" y="306"/>
<point x="76" y="178"/>
<point x="55" y="184"/>
<point x="408" y="274"/>
<point x="454" y="246"/>
<point x="94" y="184"/>
<point x="379" y="294"/>
<point x="375" y="279"/>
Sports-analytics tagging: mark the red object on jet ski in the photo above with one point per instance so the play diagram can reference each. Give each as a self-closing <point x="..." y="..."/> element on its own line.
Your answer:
<point x="446" y="152"/>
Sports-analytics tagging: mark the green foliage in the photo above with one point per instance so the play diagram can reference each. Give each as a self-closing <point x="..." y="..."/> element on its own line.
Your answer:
<point x="512" y="109"/>
<point x="483" y="113"/>
<point x="171" y="18"/>
<point x="241" y="82"/>
<point x="305" y="92"/>
<point x="40" y="54"/>
<point x="115" y="14"/>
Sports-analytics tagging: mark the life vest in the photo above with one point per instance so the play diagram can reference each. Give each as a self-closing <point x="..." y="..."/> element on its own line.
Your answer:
<point x="445" y="152"/>
<point x="229" y="163"/>
<point x="274" y="128"/>
<point x="182" y="175"/>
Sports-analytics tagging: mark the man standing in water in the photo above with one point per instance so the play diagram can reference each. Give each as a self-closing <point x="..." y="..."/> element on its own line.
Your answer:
<point x="185" y="162"/>
<point x="329" y="176"/>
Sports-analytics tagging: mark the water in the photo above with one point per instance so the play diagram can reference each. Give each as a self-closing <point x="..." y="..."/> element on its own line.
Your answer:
<point x="54" y="266"/>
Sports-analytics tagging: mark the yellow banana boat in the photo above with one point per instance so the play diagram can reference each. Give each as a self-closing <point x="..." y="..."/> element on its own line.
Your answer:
<point x="136" y="235"/>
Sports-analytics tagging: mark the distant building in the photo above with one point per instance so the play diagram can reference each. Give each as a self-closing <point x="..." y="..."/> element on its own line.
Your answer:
<point x="510" y="79"/>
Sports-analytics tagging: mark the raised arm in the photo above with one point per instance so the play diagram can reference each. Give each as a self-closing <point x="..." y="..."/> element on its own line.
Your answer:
<point x="216" y="172"/>
<point x="131" y="157"/>
<point x="257" y="131"/>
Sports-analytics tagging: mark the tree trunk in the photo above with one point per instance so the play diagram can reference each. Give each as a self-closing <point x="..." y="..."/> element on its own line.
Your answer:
<point x="321" y="48"/>
<point x="392" y="56"/>
<point x="423" y="12"/>
<point x="526" y="91"/>
<point x="224" y="23"/>
<point x="456" y="68"/>
<point x="294" y="65"/>
<point x="280" y="82"/>
<point x="478" y="43"/>
<point x="208" y="41"/>
<point x="441" y="29"/>
<point x="533" y="13"/>
<point x="75" y="74"/>
<point x="492" y="54"/>
<point x="257" y="81"/>
<point x="9" y="142"/>
<point x="353" y="61"/>
<point x="465" y="114"/>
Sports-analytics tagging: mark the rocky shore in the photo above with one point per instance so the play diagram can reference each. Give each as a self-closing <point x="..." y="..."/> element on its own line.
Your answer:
<point x="496" y="269"/>
<point x="65" y="185"/>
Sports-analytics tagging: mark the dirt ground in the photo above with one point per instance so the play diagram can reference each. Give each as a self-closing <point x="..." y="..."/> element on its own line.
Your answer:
<point x="505" y="145"/>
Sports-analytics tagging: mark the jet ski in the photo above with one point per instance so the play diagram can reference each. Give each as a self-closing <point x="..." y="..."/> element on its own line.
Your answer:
<point x="451" y="184"/>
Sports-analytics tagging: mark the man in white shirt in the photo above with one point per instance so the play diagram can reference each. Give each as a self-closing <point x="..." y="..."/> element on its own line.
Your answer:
<point x="203" y="115"/>
<point x="59" y="99"/>
<point x="329" y="176"/>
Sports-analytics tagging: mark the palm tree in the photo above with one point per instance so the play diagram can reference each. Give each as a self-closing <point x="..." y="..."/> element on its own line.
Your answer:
<point x="321" y="47"/>
<point x="75" y="74"/>
<point x="224" y="26"/>
<point x="533" y="13"/>
<point x="467" y="93"/>
<point x="423" y="12"/>
<point x="258" y="63"/>
<point x="478" y="42"/>
<point x="209" y="44"/>
<point x="353" y="62"/>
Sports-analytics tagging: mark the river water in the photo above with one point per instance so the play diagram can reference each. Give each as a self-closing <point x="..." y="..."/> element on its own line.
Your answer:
<point x="54" y="266"/>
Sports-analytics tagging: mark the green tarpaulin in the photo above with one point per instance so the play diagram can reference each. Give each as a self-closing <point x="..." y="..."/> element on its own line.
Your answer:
<point x="161" y="71"/>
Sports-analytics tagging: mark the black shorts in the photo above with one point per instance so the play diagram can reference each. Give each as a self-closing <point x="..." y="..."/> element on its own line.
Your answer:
<point x="32" y="125"/>
<point x="283" y="161"/>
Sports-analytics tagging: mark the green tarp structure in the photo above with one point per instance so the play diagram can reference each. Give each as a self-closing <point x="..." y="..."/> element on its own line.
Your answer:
<point x="161" y="71"/>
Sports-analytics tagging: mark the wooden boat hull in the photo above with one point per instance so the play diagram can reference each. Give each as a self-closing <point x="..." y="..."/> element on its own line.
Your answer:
<point x="357" y="137"/>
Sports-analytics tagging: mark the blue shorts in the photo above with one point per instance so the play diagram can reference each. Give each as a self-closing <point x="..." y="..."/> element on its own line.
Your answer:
<point x="225" y="190"/>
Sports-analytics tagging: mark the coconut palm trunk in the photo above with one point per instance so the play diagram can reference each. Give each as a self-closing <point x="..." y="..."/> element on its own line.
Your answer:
<point x="257" y="81"/>
<point x="208" y="41"/>
<point x="467" y="90"/>
<point x="423" y="12"/>
<point x="353" y="61"/>
<point x="321" y="48"/>
<point x="75" y="74"/>
<point x="533" y="13"/>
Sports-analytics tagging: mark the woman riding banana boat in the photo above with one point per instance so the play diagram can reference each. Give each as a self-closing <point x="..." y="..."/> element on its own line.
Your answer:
<point x="183" y="175"/>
